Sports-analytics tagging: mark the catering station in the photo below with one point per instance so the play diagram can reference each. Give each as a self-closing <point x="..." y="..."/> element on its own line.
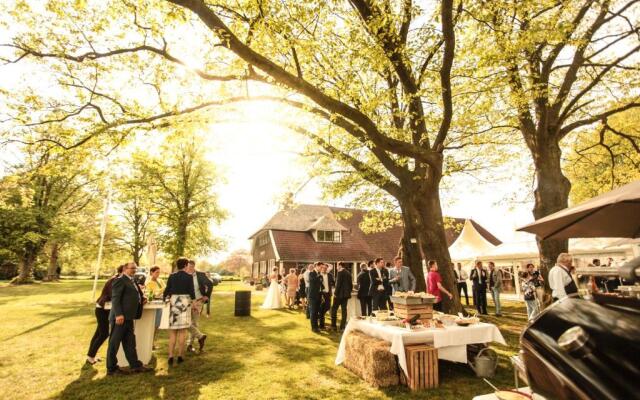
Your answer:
<point x="403" y="347"/>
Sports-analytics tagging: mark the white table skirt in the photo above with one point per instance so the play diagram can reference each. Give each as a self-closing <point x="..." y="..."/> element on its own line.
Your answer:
<point x="451" y="341"/>
<point x="144" y="329"/>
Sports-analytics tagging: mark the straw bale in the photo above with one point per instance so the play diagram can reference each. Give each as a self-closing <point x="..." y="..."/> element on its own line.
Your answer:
<point x="370" y="359"/>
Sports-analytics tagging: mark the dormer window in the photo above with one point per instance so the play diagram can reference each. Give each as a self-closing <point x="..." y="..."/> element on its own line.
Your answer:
<point x="263" y="239"/>
<point x="329" y="236"/>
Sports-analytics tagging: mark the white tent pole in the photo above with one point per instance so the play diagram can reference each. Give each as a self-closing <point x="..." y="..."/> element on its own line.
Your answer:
<point x="103" y="231"/>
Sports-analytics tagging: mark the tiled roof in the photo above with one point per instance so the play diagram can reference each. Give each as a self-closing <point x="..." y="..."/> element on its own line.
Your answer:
<point x="294" y="241"/>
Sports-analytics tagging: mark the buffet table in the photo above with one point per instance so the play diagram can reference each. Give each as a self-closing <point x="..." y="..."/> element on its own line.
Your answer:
<point x="451" y="341"/>
<point x="144" y="329"/>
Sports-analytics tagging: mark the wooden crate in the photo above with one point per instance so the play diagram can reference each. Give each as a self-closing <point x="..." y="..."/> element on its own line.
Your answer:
<point x="422" y="364"/>
<point x="410" y="310"/>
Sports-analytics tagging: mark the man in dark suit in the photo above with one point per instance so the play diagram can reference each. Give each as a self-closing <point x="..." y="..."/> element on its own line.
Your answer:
<point x="379" y="285"/>
<point x="328" y="282"/>
<point x="478" y="276"/>
<point x="342" y="294"/>
<point x="364" y="285"/>
<point x="203" y="287"/>
<point x="314" y="296"/>
<point x="126" y="306"/>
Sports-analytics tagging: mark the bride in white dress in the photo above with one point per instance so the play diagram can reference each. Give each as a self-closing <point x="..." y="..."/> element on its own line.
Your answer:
<point x="274" y="297"/>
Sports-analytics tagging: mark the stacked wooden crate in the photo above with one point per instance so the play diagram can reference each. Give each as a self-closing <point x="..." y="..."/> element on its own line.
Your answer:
<point x="410" y="310"/>
<point x="422" y="365"/>
<point x="408" y="307"/>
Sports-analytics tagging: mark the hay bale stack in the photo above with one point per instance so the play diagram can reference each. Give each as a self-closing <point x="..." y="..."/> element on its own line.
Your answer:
<point x="371" y="360"/>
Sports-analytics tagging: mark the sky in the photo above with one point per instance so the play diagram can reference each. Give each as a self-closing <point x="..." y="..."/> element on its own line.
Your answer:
<point x="260" y="159"/>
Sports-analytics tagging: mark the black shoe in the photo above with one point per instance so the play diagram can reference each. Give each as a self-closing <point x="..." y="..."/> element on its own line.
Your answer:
<point x="118" y="371"/>
<point x="315" y="330"/>
<point x="180" y="360"/>
<point x="170" y="361"/>
<point x="141" y="369"/>
<point x="201" y="342"/>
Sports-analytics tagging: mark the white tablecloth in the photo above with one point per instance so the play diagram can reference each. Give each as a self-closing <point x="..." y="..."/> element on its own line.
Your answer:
<point x="451" y="341"/>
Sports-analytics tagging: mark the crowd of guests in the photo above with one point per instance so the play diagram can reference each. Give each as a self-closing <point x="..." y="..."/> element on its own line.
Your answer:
<point x="318" y="289"/>
<point x="185" y="294"/>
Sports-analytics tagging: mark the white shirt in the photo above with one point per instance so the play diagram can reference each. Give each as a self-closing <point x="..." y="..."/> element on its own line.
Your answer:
<point x="325" y="281"/>
<point x="196" y="287"/>
<point x="462" y="275"/>
<point x="305" y="276"/>
<point x="558" y="279"/>
<point x="380" y="286"/>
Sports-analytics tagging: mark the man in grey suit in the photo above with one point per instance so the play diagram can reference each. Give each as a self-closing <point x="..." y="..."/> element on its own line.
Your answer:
<point x="401" y="278"/>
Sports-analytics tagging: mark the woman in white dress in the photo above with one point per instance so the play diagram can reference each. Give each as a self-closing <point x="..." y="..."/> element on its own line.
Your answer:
<point x="274" y="296"/>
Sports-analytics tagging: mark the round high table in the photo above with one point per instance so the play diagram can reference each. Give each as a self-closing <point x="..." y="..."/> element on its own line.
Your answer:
<point x="144" y="329"/>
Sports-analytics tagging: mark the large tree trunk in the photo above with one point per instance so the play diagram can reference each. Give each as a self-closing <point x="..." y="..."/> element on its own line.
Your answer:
<point x="551" y="195"/>
<point x="52" y="274"/>
<point x="181" y="241"/>
<point x="25" y="269"/>
<point x="423" y="221"/>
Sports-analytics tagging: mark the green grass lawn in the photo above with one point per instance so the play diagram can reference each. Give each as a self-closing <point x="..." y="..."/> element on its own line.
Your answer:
<point x="46" y="328"/>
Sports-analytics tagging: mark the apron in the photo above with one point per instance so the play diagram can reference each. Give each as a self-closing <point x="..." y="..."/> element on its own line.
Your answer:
<point x="571" y="287"/>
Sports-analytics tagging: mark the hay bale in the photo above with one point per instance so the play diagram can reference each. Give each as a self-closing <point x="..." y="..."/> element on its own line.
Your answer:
<point x="371" y="360"/>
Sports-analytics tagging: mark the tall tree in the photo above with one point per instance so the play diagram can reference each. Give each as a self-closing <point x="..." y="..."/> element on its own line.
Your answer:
<point x="36" y="197"/>
<point x="136" y="214"/>
<point x="568" y="65"/>
<point x="180" y="185"/>
<point x="378" y="72"/>
<point x="604" y="158"/>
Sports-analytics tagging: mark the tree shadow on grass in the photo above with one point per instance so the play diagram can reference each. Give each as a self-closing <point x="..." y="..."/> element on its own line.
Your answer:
<point x="184" y="381"/>
<point x="73" y="312"/>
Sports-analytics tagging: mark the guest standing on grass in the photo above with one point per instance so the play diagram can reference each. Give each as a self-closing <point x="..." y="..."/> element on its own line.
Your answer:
<point x="529" y="292"/>
<point x="434" y="285"/>
<point x="389" y="288"/>
<point x="379" y="285"/>
<point x="461" y="280"/>
<point x="291" y="283"/>
<point x="328" y="282"/>
<point x="344" y="286"/>
<point x="478" y="276"/>
<point x="155" y="289"/>
<point x="180" y="293"/>
<point x="314" y="296"/>
<point x="202" y="288"/>
<point x="363" y="281"/>
<point x="401" y="278"/>
<point x="102" y="318"/>
<point x="127" y="300"/>
<point x="495" y="286"/>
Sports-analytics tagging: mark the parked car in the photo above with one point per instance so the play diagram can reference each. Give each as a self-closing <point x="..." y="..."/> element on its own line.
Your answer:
<point x="216" y="278"/>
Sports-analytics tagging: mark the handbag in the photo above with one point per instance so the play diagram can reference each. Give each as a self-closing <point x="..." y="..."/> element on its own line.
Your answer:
<point x="164" y="319"/>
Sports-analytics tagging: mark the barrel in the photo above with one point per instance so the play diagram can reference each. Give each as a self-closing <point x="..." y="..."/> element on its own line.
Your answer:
<point x="243" y="303"/>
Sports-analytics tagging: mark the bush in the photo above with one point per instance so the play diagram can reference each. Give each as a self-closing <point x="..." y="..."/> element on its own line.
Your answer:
<point x="8" y="270"/>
